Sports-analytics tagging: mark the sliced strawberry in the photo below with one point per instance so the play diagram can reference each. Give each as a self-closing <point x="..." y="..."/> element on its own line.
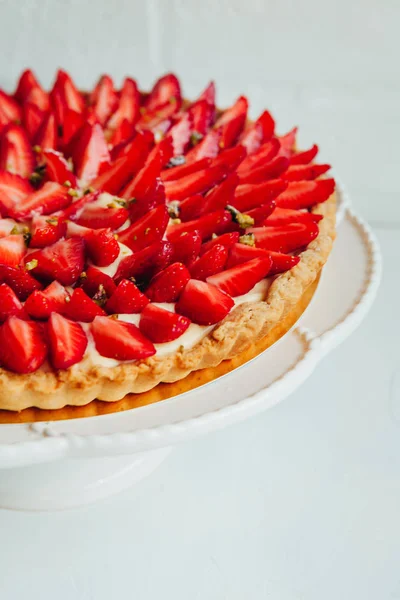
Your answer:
<point x="186" y="247"/>
<point x="39" y="98"/>
<point x="175" y="173"/>
<point x="162" y="152"/>
<point x="119" y="340"/>
<point x="231" y="131"/>
<point x="242" y="253"/>
<point x="82" y="308"/>
<point x="22" y="345"/>
<point x="160" y="325"/>
<point x="46" y="137"/>
<point x="90" y="152"/>
<point x="240" y="279"/>
<point x="260" y="214"/>
<point x="227" y="240"/>
<point x="288" y="142"/>
<point x="57" y="169"/>
<point x="304" y="157"/>
<point x="239" y="109"/>
<point x="9" y="303"/>
<point x="143" y="185"/>
<point x="19" y="280"/>
<point x="102" y="247"/>
<point x="196" y="183"/>
<point x="209" y="147"/>
<point x="65" y="95"/>
<point x="57" y="295"/>
<point x="303" y="194"/>
<point x="206" y="225"/>
<point x="285" y="238"/>
<point x="230" y="159"/>
<point x="121" y="136"/>
<point x="211" y="262"/>
<point x="201" y="114"/>
<point x="128" y="107"/>
<point x="100" y="217"/>
<point x="146" y="262"/>
<point x="264" y="155"/>
<point x="269" y="170"/>
<point x="305" y="172"/>
<point x="147" y="230"/>
<point x="13" y="190"/>
<point x="221" y="195"/>
<point x="6" y="227"/>
<point x="63" y="261"/>
<point x="93" y="280"/>
<point x="258" y="132"/>
<point x="283" y="216"/>
<point x="39" y="306"/>
<point x="26" y="82"/>
<point x="46" y="230"/>
<point x="12" y="250"/>
<point x="180" y="133"/>
<point x="252" y="195"/>
<point x="67" y="341"/>
<point x="150" y="199"/>
<point x="159" y="120"/>
<point x="33" y="118"/>
<point x="166" y="89"/>
<point x="126" y="299"/>
<point x="72" y="124"/>
<point x="191" y="208"/>
<point x="73" y="211"/>
<point x="16" y="154"/>
<point x="50" y="198"/>
<point x="103" y="99"/>
<point x="209" y="93"/>
<point x="167" y="285"/>
<point x="10" y="111"/>
<point x="203" y="303"/>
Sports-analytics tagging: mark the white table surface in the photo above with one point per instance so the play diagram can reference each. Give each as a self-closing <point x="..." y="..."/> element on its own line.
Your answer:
<point x="299" y="503"/>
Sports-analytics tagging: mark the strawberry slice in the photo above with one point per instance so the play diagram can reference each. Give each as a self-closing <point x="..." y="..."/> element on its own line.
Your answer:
<point x="264" y="154"/>
<point x="67" y="341"/>
<point x="16" y="154"/>
<point x="166" y="89"/>
<point x="82" y="308"/>
<point x="240" y="279"/>
<point x="158" y="121"/>
<point x="209" y="93"/>
<point x="46" y="231"/>
<point x="303" y="194"/>
<point x="103" y="99"/>
<point x="288" y="142"/>
<point x="285" y="238"/>
<point x="175" y="173"/>
<point x="19" y="280"/>
<point x="102" y="247"/>
<point x="242" y="253"/>
<point x="260" y="214"/>
<point x="32" y="119"/>
<point x="10" y="111"/>
<point x="119" y="340"/>
<point x="258" y="132"/>
<point x="65" y="95"/>
<point x="230" y="159"/>
<point x="282" y="262"/>
<point x="231" y="131"/>
<point x="211" y="262"/>
<point x="57" y="169"/>
<point x="191" y="207"/>
<point x="144" y="184"/>
<point x="90" y="152"/>
<point x="9" y="303"/>
<point x="252" y="195"/>
<point x="50" y="198"/>
<point x="63" y="261"/>
<point x="162" y="152"/>
<point x="206" y="225"/>
<point x="167" y="285"/>
<point x="126" y="299"/>
<point x="239" y="109"/>
<point x="209" y="147"/>
<point x="283" y="216"/>
<point x="153" y="197"/>
<point x="304" y="157"/>
<point x="72" y="124"/>
<point x="160" y="325"/>
<point x="22" y="345"/>
<point x="6" y="227"/>
<point x="227" y="240"/>
<point x="186" y="247"/>
<point x="39" y="306"/>
<point x="196" y="183"/>
<point x="305" y="172"/>
<point x="180" y="133"/>
<point x="128" y="108"/>
<point x="123" y="134"/>
<point x="57" y="295"/>
<point x="46" y="137"/>
<point x="203" y="303"/>
<point x="26" y="83"/>
<point x="146" y="262"/>
<point x="39" y="98"/>
<point x="147" y="230"/>
<point x="13" y="190"/>
<point x="12" y="250"/>
<point x="94" y="281"/>
<point x="269" y="170"/>
<point x="221" y="195"/>
<point x="100" y="217"/>
<point x="201" y="114"/>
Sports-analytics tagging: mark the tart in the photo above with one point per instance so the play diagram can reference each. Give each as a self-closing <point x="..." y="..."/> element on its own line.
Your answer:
<point x="143" y="237"/>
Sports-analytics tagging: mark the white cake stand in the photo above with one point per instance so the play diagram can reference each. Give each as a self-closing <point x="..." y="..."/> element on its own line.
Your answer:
<point x="62" y="464"/>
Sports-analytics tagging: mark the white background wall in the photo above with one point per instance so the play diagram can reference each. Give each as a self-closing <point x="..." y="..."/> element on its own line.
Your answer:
<point x="330" y="67"/>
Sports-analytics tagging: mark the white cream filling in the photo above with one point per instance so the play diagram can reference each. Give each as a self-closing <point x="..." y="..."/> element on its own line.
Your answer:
<point x="111" y="269"/>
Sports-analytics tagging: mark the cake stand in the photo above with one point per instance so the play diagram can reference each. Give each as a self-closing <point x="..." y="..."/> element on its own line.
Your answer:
<point x="62" y="464"/>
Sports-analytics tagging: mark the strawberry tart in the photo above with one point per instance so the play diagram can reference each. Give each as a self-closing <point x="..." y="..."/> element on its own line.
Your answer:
<point x="143" y="236"/>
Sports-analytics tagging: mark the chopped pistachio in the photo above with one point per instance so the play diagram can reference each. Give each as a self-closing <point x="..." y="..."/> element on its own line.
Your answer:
<point x="67" y="183"/>
<point x="147" y="230"/>
<point x="175" y="221"/>
<point x="88" y="190"/>
<point x="247" y="239"/>
<point x="73" y="193"/>
<point x="83" y="275"/>
<point x="14" y="230"/>
<point x="114" y="316"/>
<point x="173" y="209"/>
<point x="241" y="219"/>
<point x="214" y="236"/>
<point x="52" y="221"/>
<point x="111" y="205"/>
<point x="100" y="297"/>
<point x="32" y="264"/>
<point x="195" y="138"/>
<point x="67" y="299"/>
<point x="37" y="148"/>
<point x="176" y="161"/>
<point x="173" y="100"/>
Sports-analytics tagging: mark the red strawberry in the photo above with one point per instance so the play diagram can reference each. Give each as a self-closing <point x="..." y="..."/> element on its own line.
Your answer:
<point x="12" y="250"/>
<point x="46" y="231"/>
<point x="58" y="295"/>
<point x="102" y="247"/>
<point x="209" y="147"/>
<point x="227" y="240"/>
<point x="190" y="208"/>
<point x="283" y="216"/>
<point x="203" y="303"/>
<point x="57" y="168"/>
<point x="22" y="345"/>
<point x="39" y="306"/>
<point x="19" y="280"/>
<point x="142" y="185"/>
<point x="128" y="108"/>
<point x="121" y="136"/>
<point x="239" y="109"/>
<point x="161" y="153"/>
<point x="167" y="285"/>
<point x="264" y="154"/>
<point x="127" y="298"/>
<point x="103" y="99"/>
<point x="26" y="83"/>
<point x="74" y="210"/>
<point x="160" y="325"/>
<point x="196" y="183"/>
<point x="119" y="340"/>
<point x="33" y="118"/>
<point x="65" y="95"/>
<point x="231" y="131"/>
<point x="48" y="199"/>
<point x="46" y="137"/>
<point x="82" y="308"/>
<point x="221" y="195"/>
<point x="153" y="197"/>
<point x="63" y="261"/>
<point x="258" y="132"/>
<point x="16" y="153"/>
<point x="10" y="111"/>
<point x="90" y="152"/>
<point x="303" y="194"/>
<point x="288" y="142"/>
<point x="209" y="93"/>
<point x="99" y="217"/>
<point x="230" y="159"/>
<point x="6" y="227"/>
<point x="146" y="262"/>
<point x="9" y="303"/>
<point x="180" y="133"/>
<point x="39" y="98"/>
<point x="201" y="114"/>
<point x="260" y="214"/>
<point x="186" y="247"/>
<point x="269" y="170"/>
<point x="304" y="157"/>
<point x="286" y="238"/>
<point x="147" y="230"/>
<point x="13" y="190"/>
<point x="206" y="225"/>
<point x="305" y="172"/>
<point x="166" y="89"/>
<point x="252" y="195"/>
<point x="67" y="341"/>
<point x="95" y="280"/>
<point x="282" y="262"/>
<point x="211" y="262"/>
<point x="242" y="253"/>
<point x="183" y="170"/>
<point x="240" y="279"/>
<point x="72" y="124"/>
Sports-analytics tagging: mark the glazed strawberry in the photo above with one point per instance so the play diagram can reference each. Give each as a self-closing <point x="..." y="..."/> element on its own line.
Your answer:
<point x="13" y="190"/>
<point x="264" y="154"/>
<point x="252" y="195"/>
<point x="67" y="341"/>
<point x="90" y="152"/>
<point x="269" y="170"/>
<point x="32" y="119"/>
<point x="304" y="157"/>
<point x="221" y="195"/>
<point x="38" y="97"/>
<point x="227" y="240"/>
<point x="57" y="169"/>
<point x="203" y="303"/>
<point x="22" y="345"/>
<point x="12" y="250"/>
<point x="175" y="173"/>
<point x="240" y="279"/>
<point x="186" y="247"/>
<point x="258" y="132"/>
<point x="26" y="82"/>
<point x="147" y="230"/>
<point x="46" y="230"/>
<point x="16" y="154"/>
<point x="119" y="340"/>
<point x="261" y="213"/>
<point x="48" y="199"/>
<point x="288" y="142"/>
<point x="154" y="196"/>
<point x="209" y="93"/>
<point x="39" y="306"/>
<point x="58" y="295"/>
<point x="230" y="159"/>
<point x="102" y="247"/>
<point x="196" y="183"/>
<point x="283" y="216"/>
<point x="74" y="210"/>
<point x="167" y="285"/>
<point x="161" y="153"/>
<point x="303" y="194"/>
<point x="242" y="253"/>
<point x="100" y="217"/>
<point x="143" y="186"/>
<point x="104" y="99"/>
<point x="9" y="303"/>
<point x="201" y="114"/>
<point x="237" y="110"/>
<point x="73" y="123"/>
<point x="19" y="280"/>
<point x="305" y="172"/>
<point x="166" y="89"/>
<point x="285" y="238"/>
<point x="128" y="108"/>
<point x="209" y="147"/>
<point x="211" y="262"/>
<point x="63" y="261"/>
<point x="231" y="131"/>
<point x="82" y="308"/>
<point x="93" y="280"/>
<point x="10" y="111"/>
<point x="180" y="133"/>
<point x="146" y="262"/>
<point x="282" y="262"/>
<point x="206" y="225"/>
<point x="65" y="95"/>
<point x="159" y="120"/>
<point x="127" y="298"/>
<point x="160" y="325"/>
<point x="190" y="208"/>
<point x="46" y="137"/>
<point x="123" y="134"/>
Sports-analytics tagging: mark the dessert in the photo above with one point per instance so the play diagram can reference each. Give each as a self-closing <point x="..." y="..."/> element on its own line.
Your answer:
<point x="143" y="236"/>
